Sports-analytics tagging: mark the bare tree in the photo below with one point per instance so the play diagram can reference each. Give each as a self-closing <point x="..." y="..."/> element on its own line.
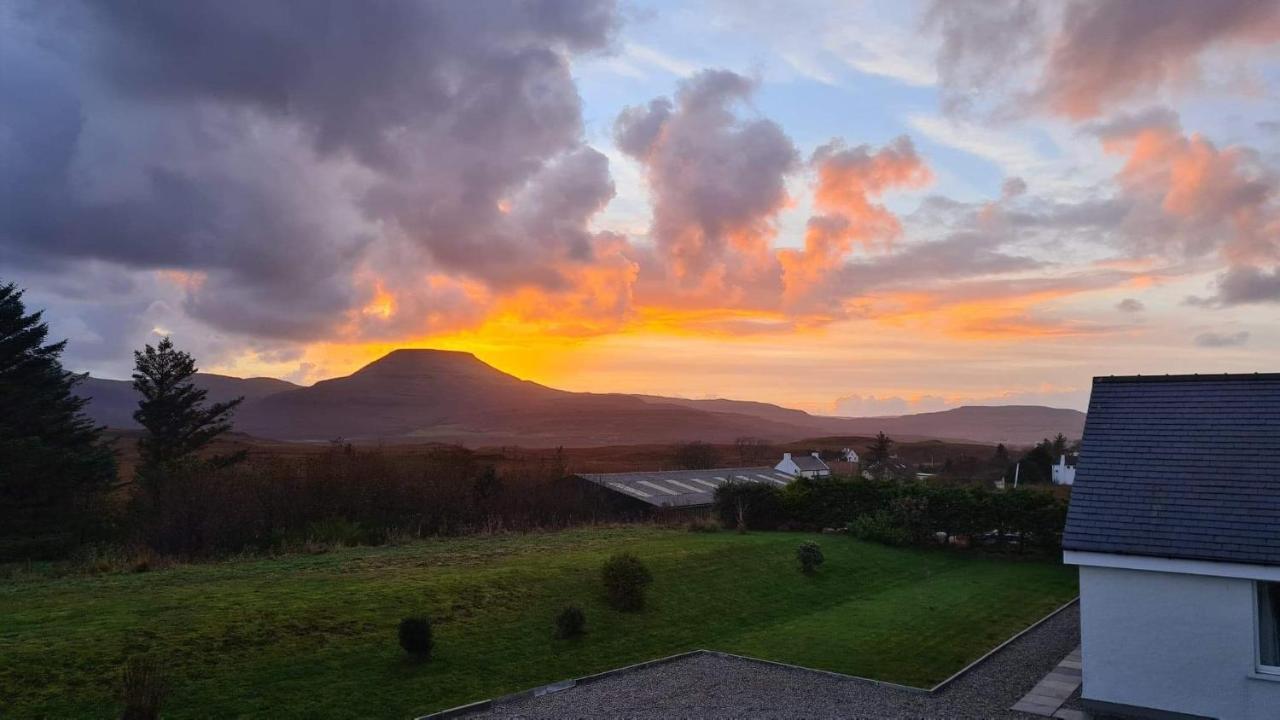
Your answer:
<point x="751" y="450"/>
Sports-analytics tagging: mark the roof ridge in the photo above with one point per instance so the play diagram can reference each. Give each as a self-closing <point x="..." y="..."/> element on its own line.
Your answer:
<point x="1207" y="377"/>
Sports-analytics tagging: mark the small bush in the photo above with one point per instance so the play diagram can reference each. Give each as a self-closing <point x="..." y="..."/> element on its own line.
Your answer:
<point x="571" y="622"/>
<point x="415" y="637"/>
<point x="879" y="527"/>
<point x="810" y="556"/>
<point x="141" y="689"/>
<point x="625" y="579"/>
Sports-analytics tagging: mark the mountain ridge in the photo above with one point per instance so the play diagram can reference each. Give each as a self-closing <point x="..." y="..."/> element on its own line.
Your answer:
<point x="415" y="395"/>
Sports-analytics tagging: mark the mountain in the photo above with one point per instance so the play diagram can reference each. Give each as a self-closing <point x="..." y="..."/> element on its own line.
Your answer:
<point x="112" y="402"/>
<point x="437" y="395"/>
<point x="1010" y="424"/>
<point x="452" y="396"/>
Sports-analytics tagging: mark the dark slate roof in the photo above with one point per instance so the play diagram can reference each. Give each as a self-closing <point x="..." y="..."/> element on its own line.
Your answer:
<point x="808" y="463"/>
<point x="1180" y="466"/>
<point x="682" y="488"/>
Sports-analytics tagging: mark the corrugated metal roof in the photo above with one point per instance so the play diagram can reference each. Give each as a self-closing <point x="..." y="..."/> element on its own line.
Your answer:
<point x="682" y="488"/>
<point x="1180" y="466"/>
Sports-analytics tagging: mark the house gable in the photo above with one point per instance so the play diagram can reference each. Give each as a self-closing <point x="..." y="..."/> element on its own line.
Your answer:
<point x="1184" y="467"/>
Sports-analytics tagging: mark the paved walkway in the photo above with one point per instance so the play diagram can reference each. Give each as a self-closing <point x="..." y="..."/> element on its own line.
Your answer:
<point x="1054" y="689"/>
<point x="711" y="685"/>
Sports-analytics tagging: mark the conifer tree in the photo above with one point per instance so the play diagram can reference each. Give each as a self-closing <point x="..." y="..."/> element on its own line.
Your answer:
<point x="173" y="412"/>
<point x="53" y="461"/>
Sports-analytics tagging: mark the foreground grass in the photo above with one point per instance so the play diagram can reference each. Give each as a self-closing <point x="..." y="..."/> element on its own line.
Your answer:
<point x="315" y="636"/>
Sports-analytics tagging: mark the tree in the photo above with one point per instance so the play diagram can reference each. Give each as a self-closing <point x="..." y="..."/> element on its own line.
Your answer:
<point x="1001" y="458"/>
<point x="751" y="450"/>
<point x="172" y="410"/>
<point x="881" y="450"/>
<point x="1059" y="446"/>
<point x="696" y="455"/>
<point x="53" y="459"/>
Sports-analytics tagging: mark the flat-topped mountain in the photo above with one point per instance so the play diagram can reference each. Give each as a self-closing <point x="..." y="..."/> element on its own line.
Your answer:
<point x="439" y="395"/>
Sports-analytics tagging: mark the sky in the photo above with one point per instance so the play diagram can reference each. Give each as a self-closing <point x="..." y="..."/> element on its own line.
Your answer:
<point x="854" y="208"/>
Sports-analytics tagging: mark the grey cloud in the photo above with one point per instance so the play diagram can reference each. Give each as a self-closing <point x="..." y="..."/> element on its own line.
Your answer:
<point x="1242" y="285"/>
<point x="1128" y="124"/>
<point x="711" y="174"/>
<point x="1109" y="50"/>
<point x="1130" y="305"/>
<point x="1013" y="187"/>
<point x="279" y="149"/>
<point x="984" y="44"/>
<point x="964" y="254"/>
<point x="1012" y="57"/>
<point x="1221" y="340"/>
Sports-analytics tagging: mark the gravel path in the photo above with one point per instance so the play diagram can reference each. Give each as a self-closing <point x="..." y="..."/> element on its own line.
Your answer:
<point x="716" y="686"/>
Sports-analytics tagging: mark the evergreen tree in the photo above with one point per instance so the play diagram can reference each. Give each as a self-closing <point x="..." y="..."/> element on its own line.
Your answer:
<point x="1059" y="446"/>
<point x="881" y="450"/>
<point x="53" y="462"/>
<point x="173" y="412"/>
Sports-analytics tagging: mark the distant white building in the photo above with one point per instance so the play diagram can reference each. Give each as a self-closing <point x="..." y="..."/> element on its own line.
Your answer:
<point x="1064" y="474"/>
<point x="849" y="455"/>
<point x="809" y="466"/>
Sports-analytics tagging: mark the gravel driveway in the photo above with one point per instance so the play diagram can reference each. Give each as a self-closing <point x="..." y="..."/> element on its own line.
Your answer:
<point x="717" y="686"/>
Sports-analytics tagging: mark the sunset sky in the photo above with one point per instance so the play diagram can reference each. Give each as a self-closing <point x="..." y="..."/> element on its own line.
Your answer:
<point x="853" y="208"/>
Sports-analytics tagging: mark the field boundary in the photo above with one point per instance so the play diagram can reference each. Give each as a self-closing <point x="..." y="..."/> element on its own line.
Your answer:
<point x="570" y="683"/>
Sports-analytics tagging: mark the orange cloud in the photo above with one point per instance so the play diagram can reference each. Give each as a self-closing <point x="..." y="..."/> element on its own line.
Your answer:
<point x="847" y="182"/>
<point x="1208" y="192"/>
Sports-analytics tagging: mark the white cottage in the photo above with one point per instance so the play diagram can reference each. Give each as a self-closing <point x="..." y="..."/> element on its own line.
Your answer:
<point x="1175" y="527"/>
<point x="809" y="466"/>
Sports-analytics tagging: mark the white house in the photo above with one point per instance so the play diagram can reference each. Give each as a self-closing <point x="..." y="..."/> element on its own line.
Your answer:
<point x="849" y="455"/>
<point x="1175" y="527"/>
<point x="809" y="466"/>
<point x="1064" y="474"/>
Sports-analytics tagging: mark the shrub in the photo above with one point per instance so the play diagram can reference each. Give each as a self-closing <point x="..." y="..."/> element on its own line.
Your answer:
<point x="878" y="527"/>
<point x="625" y="579"/>
<point x="570" y="622"/>
<point x="141" y="689"/>
<point x="810" y="556"/>
<point x="703" y="525"/>
<point x="415" y="637"/>
<point x="749" y="505"/>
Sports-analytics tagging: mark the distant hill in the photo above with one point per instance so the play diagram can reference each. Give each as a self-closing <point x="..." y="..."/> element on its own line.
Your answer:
<point x="437" y="395"/>
<point x="112" y="402"/>
<point x="1010" y="424"/>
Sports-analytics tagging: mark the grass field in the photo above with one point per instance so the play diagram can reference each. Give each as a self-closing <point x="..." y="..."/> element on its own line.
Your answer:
<point x="314" y="636"/>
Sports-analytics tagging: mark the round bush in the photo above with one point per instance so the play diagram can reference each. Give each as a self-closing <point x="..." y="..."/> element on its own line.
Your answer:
<point x="810" y="556"/>
<point x="415" y="637"/>
<point x="570" y="622"/>
<point x="625" y="579"/>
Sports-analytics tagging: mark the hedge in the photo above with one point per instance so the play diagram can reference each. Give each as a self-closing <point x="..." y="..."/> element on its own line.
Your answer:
<point x="898" y="513"/>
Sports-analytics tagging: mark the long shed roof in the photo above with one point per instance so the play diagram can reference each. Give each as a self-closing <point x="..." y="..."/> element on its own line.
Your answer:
<point x="1181" y="466"/>
<point x="683" y="488"/>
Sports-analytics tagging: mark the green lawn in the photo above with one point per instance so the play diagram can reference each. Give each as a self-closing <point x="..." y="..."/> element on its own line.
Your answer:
<point x="315" y="636"/>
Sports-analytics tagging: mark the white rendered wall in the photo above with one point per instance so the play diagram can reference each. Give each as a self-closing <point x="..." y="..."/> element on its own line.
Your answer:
<point x="1176" y="642"/>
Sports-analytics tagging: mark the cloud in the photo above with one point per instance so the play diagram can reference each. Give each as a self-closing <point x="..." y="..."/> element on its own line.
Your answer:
<point x="1243" y="285"/>
<point x="1088" y="57"/>
<point x="892" y="405"/>
<point x="848" y="181"/>
<point x="294" y="159"/>
<point x="1130" y="305"/>
<point x="1186" y="193"/>
<point x="983" y="45"/>
<point x="1110" y="51"/>
<point x="1221" y="340"/>
<point x="717" y="180"/>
